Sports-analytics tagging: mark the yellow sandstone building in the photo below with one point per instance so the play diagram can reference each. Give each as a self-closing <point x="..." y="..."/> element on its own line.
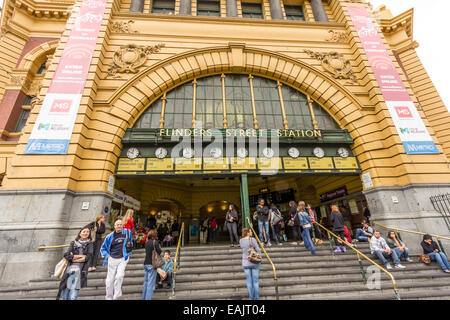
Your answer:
<point x="187" y="106"/>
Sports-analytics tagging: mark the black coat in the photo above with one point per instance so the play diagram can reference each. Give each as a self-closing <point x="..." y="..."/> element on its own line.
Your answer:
<point x="263" y="213"/>
<point x="429" y="248"/>
<point x="293" y="215"/>
<point x="149" y="250"/>
<point x="338" y="221"/>
<point x="88" y="251"/>
<point x="100" y="230"/>
<point x="233" y="214"/>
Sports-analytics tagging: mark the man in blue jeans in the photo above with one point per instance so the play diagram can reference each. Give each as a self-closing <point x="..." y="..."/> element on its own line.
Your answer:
<point x="263" y="221"/>
<point x="380" y="249"/>
<point x="364" y="233"/>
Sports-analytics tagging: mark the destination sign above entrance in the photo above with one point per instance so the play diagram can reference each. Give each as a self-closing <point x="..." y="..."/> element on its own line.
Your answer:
<point x="255" y="165"/>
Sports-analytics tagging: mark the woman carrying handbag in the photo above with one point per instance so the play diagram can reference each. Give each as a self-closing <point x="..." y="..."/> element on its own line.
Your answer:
<point x="306" y="223"/>
<point x="152" y="252"/>
<point x="251" y="259"/>
<point x="78" y="255"/>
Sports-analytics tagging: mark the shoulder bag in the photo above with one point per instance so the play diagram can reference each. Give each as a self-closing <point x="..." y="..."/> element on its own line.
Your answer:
<point x="157" y="261"/>
<point x="129" y="244"/>
<point x="253" y="255"/>
<point x="60" y="268"/>
<point x="425" y="258"/>
<point x="277" y="218"/>
<point x="291" y="222"/>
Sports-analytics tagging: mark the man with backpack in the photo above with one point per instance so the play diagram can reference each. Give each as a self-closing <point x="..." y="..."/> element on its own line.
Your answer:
<point x="275" y="221"/>
<point x="263" y="221"/>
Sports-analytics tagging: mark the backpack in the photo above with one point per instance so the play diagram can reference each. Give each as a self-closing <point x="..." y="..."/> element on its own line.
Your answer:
<point x="214" y="224"/>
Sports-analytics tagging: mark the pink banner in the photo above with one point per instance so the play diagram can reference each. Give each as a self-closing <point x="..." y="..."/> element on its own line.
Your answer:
<point x="54" y="125"/>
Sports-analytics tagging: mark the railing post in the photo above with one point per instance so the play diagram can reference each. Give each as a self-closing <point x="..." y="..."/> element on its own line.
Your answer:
<point x="399" y="236"/>
<point x="442" y="247"/>
<point x="331" y="243"/>
<point x="363" y="273"/>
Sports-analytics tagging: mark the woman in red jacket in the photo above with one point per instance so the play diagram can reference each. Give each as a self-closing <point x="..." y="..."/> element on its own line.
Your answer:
<point x="128" y="222"/>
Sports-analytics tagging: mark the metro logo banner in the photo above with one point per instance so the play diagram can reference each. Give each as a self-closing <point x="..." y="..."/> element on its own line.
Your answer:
<point x="54" y="125"/>
<point x="409" y="124"/>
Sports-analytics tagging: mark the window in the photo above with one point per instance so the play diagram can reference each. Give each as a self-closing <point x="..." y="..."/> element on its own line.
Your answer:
<point x="208" y="107"/>
<point x="23" y="117"/>
<point x="296" y="108"/>
<point x="267" y="103"/>
<point x="294" y="13"/>
<point x="324" y="120"/>
<point x="208" y="8"/>
<point x="163" y="6"/>
<point x="238" y="102"/>
<point x="42" y="68"/>
<point x="252" y="10"/>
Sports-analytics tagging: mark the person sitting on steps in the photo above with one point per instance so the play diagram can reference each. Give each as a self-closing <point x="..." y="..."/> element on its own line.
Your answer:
<point x="431" y="248"/>
<point x="363" y="234"/>
<point x="398" y="246"/>
<point x="165" y="273"/>
<point x="380" y="249"/>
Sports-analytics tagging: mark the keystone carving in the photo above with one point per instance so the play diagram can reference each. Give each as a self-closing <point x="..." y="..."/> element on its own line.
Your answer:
<point x="122" y="26"/>
<point x="337" y="36"/>
<point x="334" y="63"/>
<point x="128" y="58"/>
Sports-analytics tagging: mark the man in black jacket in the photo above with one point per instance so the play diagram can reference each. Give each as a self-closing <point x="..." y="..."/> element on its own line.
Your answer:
<point x="263" y="221"/>
<point x="338" y="226"/>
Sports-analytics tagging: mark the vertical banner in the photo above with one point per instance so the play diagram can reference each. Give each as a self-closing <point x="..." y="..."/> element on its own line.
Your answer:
<point x="53" y="128"/>
<point x="410" y="127"/>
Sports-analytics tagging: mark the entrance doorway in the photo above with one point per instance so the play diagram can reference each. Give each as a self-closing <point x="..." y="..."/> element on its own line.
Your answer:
<point x="191" y="199"/>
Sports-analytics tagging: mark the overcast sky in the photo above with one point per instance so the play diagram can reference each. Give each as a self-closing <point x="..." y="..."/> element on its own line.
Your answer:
<point x="430" y="30"/>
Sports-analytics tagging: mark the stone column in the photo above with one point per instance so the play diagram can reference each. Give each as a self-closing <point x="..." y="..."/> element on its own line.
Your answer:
<point x="318" y="10"/>
<point x="137" y="6"/>
<point x="185" y="7"/>
<point x="232" y="9"/>
<point x="275" y="10"/>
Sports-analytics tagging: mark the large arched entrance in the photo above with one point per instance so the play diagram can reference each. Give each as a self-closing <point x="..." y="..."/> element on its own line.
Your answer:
<point x="236" y="138"/>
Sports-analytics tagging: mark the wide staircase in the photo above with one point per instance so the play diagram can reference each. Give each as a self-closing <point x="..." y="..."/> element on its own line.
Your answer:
<point x="215" y="272"/>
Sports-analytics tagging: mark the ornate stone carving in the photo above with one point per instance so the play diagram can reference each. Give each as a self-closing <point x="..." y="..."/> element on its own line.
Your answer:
<point x="35" y="87"/>
<point x="337" y="36"/>
<point x="130" y="57"/>
<point x="334" y="63"/>
<point x="122" y="26"/>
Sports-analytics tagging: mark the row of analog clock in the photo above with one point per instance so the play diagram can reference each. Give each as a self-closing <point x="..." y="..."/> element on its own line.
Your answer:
<point x="216" y="152"/>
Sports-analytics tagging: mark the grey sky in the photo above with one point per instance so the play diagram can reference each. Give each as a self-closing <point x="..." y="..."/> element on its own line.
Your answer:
<point x="430" y="31"/>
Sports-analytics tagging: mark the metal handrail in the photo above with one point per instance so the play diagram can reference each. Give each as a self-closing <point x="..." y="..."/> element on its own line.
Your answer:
<point x="268" y="258"/>
<point x="438" y="237"/>
<point x="360" y="254"/>
<point x="176" y="262"/>
<point x="42" y="248"/>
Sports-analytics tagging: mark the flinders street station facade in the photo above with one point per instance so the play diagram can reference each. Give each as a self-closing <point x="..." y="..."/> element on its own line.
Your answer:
<point x="182" y="107"/>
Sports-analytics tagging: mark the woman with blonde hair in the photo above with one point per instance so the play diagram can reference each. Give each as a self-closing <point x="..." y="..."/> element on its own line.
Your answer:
<point x="97" y="228"/>
<point x="128" y="222"/>
<point x="306" y="223"/>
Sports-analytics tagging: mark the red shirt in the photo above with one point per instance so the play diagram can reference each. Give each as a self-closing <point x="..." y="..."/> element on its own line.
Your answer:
<point x="130" y="224"/>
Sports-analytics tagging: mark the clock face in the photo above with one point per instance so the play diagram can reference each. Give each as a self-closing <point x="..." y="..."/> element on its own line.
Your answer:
<point x="132" y="153"/>
<point x="242" y="152"/>
<point x="268" y="152"/>
<point x="294" y="152"/>
<point x="188" y="152"/>
<point x="318" y="152"/>
<point x="216" y="152"/>
<point x="343" y="152"/>
<point x="161" y="153"/>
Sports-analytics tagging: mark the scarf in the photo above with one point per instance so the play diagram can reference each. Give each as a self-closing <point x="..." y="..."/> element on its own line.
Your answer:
<point x="81" y="243"/>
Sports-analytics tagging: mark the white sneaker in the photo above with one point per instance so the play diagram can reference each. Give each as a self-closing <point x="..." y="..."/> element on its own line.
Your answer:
<point x="388" y="266"/>
<point x="269" y="244"/>
<point x="409" y="260"/>
<point x="399" y="266"/>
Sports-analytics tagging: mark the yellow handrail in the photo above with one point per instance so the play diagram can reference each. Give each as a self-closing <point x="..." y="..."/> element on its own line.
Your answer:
<point x="359" y="253"/>
<point x="178" y="249"/>
<point x="409" y="231"/>
<point x="268" y="258"/>
<point x="176" y="259"/>
<point x="42" y="248"/>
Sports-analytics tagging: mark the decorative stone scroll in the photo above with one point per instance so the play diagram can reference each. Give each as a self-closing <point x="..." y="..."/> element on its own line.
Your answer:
<point x="334" y="63"/>
<point x="123" y="26"/>
<point x="130" y="57"/>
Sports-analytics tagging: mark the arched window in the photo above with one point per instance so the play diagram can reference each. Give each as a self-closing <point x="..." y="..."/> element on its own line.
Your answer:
<point x="250" y="102"/>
